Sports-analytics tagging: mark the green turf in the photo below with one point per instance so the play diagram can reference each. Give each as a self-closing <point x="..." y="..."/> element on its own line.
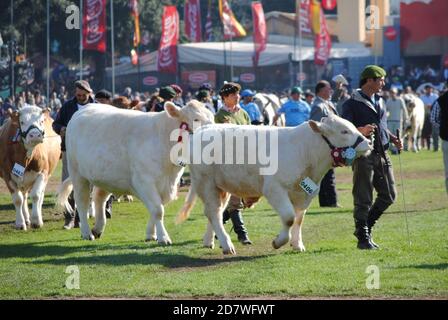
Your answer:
<point x="33" y="263"/>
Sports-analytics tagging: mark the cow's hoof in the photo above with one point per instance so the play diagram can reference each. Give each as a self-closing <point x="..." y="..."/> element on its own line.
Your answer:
<point x="97" y="235"/>
<point x="299" y="248"/>
<point x="89" y="237"/>
<point x="209" y="246"/>
<point x="151" y="238"/>
<point x="21" y="227"/>
<point x="165" y="242"/>
<point x="36" y="225"/>
<point x="230" y="251"/>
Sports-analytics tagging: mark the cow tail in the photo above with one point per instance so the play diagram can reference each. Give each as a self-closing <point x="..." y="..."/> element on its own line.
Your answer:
<point x="188" y="205"/>
<point x="62" y="196"/>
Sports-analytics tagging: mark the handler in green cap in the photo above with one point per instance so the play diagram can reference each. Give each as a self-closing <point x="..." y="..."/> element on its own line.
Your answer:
<point x="366" y="110"/>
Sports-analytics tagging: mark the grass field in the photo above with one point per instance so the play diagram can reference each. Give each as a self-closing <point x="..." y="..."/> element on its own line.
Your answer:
<point x="33" y="264"/>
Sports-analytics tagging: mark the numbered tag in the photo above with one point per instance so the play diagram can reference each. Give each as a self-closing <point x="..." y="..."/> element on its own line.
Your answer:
<point x="309" y="186"/>
<point x="18" y="170"/>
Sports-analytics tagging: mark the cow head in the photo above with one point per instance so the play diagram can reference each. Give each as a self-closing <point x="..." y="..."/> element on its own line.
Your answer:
<point x="193" y="115"/>
<point x="345" y="141"/>
<point x="31" y="124"/>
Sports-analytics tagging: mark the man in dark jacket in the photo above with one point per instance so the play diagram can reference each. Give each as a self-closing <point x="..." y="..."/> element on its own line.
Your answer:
<point x="80" y="100"/>
<point x="323" y="107"/>
<point x="366" y="110"/>
<point x="439" y="116"/>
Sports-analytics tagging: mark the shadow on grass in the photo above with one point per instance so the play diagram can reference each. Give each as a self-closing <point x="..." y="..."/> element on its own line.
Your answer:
<point x="10" y="206"/>
<point x="39" y="249"/>
<point x="168" y="260"/>
<point x="439" y="266"/>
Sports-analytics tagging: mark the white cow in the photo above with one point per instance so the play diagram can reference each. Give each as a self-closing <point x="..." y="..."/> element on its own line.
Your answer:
<point x="127" y="152"/>
<point x="268" y="105"/>
<point x="416" y="110"/>
<point x="303" y="153"/>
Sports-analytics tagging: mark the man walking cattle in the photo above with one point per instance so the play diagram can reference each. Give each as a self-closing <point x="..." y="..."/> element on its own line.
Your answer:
<point x="366" y="110"/>
<point x="80" y="100"/>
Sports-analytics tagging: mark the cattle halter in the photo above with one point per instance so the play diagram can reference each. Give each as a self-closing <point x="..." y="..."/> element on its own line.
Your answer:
<point x="24" y="134"/>
<point x="183" y="126"/>
<point x="343" y="155"/>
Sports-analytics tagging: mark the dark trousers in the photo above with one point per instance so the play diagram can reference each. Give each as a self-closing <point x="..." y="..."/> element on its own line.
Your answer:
<point x="327" y="192"/>
<point x="372" y="172"/>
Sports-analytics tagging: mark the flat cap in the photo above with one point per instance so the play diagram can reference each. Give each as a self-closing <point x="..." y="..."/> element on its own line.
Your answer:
<point x="103" y="94"/>
<point x="373" y="72"/>
<point x="167" y="93"/>
<point x="84" y="85"/>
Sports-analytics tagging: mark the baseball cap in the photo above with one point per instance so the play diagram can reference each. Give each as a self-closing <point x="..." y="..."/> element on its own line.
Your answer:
<point x="247" y="93"/>
<point x="296" y="90"/>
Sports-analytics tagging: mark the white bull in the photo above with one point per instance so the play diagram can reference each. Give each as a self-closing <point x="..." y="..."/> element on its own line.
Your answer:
<point x="302" y="153"/>
<point x="127" y="152"/>
<point x="416" y="110"/>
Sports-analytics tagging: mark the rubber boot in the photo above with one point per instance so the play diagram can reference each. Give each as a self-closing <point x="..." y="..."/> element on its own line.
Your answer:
<point x="238" y="227"/>
<point x="362" y="233"/>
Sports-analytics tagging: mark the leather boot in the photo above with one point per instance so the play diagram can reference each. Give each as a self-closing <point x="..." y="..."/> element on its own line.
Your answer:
<point x="225" y="216"/>
<point x="371" y="220"/>
<point x="238" y="227"/>
<point x="69" y="221"/>
<point x="362" y="233"/>
<point x="109" y="207"/>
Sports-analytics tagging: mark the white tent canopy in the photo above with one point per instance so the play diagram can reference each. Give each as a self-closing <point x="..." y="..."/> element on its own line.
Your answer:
<point x="240" y="55"/>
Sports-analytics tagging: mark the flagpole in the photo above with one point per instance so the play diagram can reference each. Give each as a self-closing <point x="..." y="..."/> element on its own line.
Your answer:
<point x="112" y="30"/>
<point x="80" y="38"/>
<point x="300" y="48"/>
<point x="11" y="52"/>
<point x="48" y="52"/>
<point x="231" y="58"/>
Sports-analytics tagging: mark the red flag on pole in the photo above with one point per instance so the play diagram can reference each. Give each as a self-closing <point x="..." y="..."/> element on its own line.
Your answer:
<point x="303" y="16"/>
<point x="232" y="28"/>
<point x="260" y="34"/>
<point x="133" y="4"/>
<point x="208" y="23"/>
<point x="322" y="43"/>
<point x="192" y="18"/>
<point x="167" y="55"/>
<point x="94" y="25"/>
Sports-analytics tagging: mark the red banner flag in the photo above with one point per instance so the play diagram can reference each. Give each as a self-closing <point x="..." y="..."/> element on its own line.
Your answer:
<point x="208" y="23"/>
<point x="133" y="4"/>
<point x="167" y="55"/>
<point x="322" y="43"/>
<point x="94" y="25"/>
<point x="303" y="16"/>
<point x="260" y="33"/>
<point x="192" y="17"/>
<point x="232" y="28"/>
<point x="422" y="19"/>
